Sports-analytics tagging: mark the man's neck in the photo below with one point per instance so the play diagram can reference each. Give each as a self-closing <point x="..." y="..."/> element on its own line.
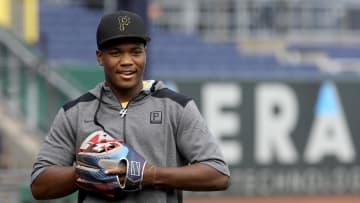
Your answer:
<point x="125" y="95"/>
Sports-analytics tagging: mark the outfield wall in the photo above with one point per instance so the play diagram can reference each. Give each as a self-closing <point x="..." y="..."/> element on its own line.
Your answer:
<point x="284" y="136"/>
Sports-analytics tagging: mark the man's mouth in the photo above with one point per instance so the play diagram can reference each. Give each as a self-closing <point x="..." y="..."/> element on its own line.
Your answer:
<point x="126" y="74"/>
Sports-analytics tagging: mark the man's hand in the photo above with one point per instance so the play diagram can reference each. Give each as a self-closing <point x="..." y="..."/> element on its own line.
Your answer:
<point x="109" y="167"/>
<point x="148" y="177"/>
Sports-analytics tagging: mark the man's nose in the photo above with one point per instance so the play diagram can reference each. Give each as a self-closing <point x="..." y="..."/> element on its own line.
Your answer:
<point x="126" y="60"/>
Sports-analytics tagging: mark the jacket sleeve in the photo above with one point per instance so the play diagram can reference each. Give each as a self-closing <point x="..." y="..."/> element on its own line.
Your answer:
<point x="58" y="147"/>
<point x="196" y="143"/>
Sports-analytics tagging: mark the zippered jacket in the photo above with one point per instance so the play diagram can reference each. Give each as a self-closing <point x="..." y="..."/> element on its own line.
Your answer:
<point x="165" y="127"/>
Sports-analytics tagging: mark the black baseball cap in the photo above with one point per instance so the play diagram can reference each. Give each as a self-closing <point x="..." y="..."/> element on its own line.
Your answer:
<point x="120" y="25"/>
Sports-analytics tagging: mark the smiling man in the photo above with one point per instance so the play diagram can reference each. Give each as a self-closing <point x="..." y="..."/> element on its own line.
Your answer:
<point x="127" y="140"/>
<point x="123" y="64"/>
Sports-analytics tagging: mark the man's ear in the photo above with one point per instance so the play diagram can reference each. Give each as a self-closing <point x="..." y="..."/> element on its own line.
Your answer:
<point x="99" y="57"/>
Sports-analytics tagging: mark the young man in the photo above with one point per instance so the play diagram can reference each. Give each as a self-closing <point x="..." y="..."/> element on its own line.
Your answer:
<point x="163" y="127"/>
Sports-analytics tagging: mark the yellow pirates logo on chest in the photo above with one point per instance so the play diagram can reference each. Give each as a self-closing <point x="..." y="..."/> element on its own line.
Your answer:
<point x="124" y="21"/>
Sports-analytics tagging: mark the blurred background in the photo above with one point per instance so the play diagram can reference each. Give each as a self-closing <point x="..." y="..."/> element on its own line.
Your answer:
<point x="277" y="81"/>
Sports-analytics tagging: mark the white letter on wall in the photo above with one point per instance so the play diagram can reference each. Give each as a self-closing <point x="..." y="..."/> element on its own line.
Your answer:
<point x="275" y="118"/>
<point x="216" y="97"/>
<point x="330" y="135"/>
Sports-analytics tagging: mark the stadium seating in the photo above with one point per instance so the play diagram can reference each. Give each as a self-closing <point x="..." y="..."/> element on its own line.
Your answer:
<point x="72" y="40"/>
<point x="191" y="56"/>
<point x="68" y="32"/>
<point x="333" y="50"/>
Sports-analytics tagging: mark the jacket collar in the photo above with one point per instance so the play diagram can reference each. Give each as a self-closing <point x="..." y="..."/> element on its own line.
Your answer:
<point x="149" y="87"/>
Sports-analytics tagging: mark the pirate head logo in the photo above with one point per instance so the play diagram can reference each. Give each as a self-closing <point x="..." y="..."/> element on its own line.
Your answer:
<point x="124" y="21"/>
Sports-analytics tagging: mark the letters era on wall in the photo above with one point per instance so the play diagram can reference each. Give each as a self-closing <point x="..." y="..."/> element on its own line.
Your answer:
<point x="284" y="137"/>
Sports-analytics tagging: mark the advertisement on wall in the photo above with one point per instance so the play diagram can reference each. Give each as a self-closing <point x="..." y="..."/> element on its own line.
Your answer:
<point x="284" y="137"/>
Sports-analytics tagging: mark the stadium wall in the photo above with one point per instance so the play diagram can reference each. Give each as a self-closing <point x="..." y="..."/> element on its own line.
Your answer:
<point x="285" y="136"/>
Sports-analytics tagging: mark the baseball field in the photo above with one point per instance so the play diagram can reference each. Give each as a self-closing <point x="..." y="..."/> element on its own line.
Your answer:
<point x="282" y="199"/>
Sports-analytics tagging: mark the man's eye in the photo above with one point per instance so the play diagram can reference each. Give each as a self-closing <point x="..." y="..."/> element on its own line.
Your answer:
<point x="137" y="52"/>
<point x="114" y="53"/>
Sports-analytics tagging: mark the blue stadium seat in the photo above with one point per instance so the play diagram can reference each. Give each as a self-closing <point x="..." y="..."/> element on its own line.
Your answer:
<point x="336" y="51"/>
<point x="70" y="33"/>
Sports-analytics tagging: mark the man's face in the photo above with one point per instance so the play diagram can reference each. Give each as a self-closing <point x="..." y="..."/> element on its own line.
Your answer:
<point x="124" y="65"/>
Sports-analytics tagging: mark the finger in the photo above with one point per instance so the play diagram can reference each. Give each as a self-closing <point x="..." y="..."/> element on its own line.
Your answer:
<point x="116" y="171"/>
<point x="122" y="179"/>
<point x="120" y="170"/>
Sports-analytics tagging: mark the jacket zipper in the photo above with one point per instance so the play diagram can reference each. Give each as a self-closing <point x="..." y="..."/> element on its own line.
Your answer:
<point x="123" y="113"/>
<point x="124" y="128"/>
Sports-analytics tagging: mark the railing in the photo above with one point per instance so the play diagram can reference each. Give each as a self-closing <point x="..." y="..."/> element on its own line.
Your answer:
<point x="233" y="20"/>
<point x="27" y="86"/>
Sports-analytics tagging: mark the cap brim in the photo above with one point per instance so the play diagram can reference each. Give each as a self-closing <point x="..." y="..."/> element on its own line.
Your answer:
<point x="122" y="38"/>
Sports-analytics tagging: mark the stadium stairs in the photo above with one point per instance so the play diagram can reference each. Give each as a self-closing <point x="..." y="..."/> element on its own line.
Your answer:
<point x="336" y="57"/>
<point x="30" y="95"/>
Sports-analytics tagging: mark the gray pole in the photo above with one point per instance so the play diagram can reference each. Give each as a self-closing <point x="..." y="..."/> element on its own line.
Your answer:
<point x="110" y="6"/>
